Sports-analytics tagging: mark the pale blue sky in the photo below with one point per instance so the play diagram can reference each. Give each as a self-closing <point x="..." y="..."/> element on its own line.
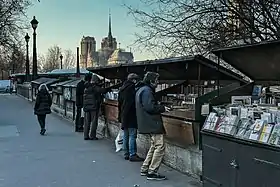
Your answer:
<point x="64" y="22"/>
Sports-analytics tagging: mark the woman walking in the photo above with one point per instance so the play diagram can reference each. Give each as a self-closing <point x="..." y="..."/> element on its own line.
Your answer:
<point x="42" y="106"/>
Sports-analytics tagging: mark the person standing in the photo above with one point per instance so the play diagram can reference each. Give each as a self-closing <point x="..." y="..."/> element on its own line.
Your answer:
<point x="149" y="121"/>
<point x="42" y="106"/>
<point x="92" y="102"/>
<point x="79" y="104"/>
<point x="127" y="117"/>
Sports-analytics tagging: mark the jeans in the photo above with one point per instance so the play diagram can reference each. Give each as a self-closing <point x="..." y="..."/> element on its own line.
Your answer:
<point x="129" y="141"/>
<point x="155" y="155"/>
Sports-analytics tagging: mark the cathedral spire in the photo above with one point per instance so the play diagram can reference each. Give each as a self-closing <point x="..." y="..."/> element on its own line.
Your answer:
<point x="110" y="37"/>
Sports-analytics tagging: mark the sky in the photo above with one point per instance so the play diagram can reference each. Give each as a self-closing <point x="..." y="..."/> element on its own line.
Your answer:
<point x="64" y="22"/>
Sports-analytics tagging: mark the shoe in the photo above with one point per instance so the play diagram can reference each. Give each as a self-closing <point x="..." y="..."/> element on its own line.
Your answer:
<point x="43" y="131"/>
<point x="136" y="158"/>
<point x="155" y="176"/>
<point x="143" y="173"/>
<point x="86" y="139"/>
<point x="80" y="130"/>
<point x="126" y="157"/>
<point x="95" y="138"/>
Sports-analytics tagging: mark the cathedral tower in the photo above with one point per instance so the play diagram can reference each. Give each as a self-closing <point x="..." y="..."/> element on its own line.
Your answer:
<point x="88" y="47"/>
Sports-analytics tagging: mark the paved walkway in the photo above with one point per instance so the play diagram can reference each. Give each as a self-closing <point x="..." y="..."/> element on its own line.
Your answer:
<point x="62" y="158"/>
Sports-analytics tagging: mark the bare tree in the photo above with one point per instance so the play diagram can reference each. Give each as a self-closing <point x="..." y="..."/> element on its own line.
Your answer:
<point x="69" y="59"/>
<point x="13" y="59"/>
<point x="41" y="62"/>
<point x="12" y="21"/>
<point x="52" y="59"/>
<point x="187" y="27"/>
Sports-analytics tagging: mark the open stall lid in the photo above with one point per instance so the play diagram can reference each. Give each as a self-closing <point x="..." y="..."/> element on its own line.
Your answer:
<point x="62" y="83"/>
<point x="179" y="68"/>
<point x="73" y="83"/>
<point x="260" y="62"/>
<point x="44" y="80"/>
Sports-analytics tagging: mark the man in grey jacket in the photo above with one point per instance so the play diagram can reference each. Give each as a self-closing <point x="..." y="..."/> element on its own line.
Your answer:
<point x="149" y="120"/>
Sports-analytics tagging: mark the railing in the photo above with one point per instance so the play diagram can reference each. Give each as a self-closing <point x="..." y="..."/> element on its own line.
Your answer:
<point x="24" y="90"/>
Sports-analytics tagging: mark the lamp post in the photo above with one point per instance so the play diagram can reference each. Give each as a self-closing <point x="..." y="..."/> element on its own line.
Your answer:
<point x="27" y="68"/>
<point x="34" y="24"/>
<point x="78" y="64"/>
<point x="61" y="57"/>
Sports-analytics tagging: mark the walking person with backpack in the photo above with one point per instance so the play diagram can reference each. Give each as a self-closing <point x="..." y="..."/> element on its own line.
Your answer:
<point x="42" y="106"/>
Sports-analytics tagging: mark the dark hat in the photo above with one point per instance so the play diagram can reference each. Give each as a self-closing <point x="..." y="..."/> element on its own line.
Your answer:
<point x="132" y="76"/>
<point x="95" y="78"/>
<point x="88" y="77"/>
<point x="150" y="77"/>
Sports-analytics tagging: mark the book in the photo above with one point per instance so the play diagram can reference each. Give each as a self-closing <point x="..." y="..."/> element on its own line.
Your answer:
<point x="275" y="135"/>
<point x="255" y="134"/>
<point x="211" y="121"/>
<point x="266" y="132"/>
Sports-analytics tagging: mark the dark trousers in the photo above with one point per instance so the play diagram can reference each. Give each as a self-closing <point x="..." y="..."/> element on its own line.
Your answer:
<point x="78" y="121"/>
<point x="91" y="122"/>
<point x="42" y="121"/>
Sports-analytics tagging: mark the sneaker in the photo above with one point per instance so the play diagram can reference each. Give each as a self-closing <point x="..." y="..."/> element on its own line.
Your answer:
<point x="155" y="176"/>
<point x="144" y="173"/>
<point x="126" y="157"/>
<point x="136" y="158"/>
<point x="43" y="131"/>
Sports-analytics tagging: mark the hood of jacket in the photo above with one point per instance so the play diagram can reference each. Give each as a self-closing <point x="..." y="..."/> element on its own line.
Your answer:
<point x="139" y="85"/>
<point x="43" y="92"/>
<point x="127" y="85"/>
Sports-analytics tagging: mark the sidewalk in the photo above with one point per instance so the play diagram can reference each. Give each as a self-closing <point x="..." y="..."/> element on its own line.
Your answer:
<point x="62" y="158"/>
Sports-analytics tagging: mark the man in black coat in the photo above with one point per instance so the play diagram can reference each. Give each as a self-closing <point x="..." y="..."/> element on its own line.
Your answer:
<point x="92" y="102"/>
<point x="127" y="117"/>
<point x="79" y="103"/>
<point x="149" y="121"/>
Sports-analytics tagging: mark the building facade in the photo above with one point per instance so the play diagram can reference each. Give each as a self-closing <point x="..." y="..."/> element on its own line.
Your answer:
<point x="108" y="53"/>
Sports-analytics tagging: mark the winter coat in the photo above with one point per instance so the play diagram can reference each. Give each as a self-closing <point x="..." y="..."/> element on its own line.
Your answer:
<point x="148" y="111"/>
<point x="93" y="95"/>
<point x="126" y="105"/>
<point x="43" y="103"/>
<point x="80" y="94"/>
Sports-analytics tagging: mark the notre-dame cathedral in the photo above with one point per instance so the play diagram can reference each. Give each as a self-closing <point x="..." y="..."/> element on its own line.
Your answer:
<point x="108" y="54"/>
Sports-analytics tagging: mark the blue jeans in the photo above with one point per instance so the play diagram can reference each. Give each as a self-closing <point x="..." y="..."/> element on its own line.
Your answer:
<point x="129" y="141"/>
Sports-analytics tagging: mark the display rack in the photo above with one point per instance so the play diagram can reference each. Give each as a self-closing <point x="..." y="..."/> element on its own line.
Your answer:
<point x="235" y="153"/>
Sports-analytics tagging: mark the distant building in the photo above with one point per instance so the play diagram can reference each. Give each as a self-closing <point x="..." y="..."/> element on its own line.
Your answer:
<point x="109" y="53"/>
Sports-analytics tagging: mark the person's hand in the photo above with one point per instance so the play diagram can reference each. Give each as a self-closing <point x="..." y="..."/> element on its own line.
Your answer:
<point x="167" y="109"/>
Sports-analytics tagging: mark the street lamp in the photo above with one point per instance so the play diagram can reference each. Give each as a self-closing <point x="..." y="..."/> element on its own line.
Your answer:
<point x="27" y="68"/>
<point x="61" y="57"/>
<point x="34" y="24"/>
